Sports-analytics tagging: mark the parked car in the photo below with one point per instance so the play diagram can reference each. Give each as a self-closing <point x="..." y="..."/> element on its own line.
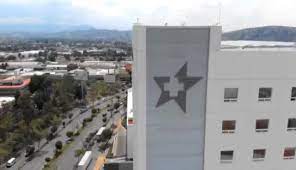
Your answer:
<point x="10" y="162"/>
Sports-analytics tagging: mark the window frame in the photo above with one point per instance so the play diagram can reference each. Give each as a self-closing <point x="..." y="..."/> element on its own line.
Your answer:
<point x="226" y="160"/>
<point x="228" y="130"/>
<point x="259" y="129"/>
<point x="291" y="128"/>
<point x="293" y="149"/>
<point x="230" y="99"/>
<point x="259" y="158"/>
<point x="264" y="99"/>
<point x="293" y="98"/>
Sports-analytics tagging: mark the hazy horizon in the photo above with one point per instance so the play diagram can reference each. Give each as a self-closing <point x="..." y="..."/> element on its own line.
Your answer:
<point x="120" y="15"/>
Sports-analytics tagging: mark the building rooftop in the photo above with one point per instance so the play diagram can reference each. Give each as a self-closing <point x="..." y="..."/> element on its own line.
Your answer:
<point x="257" y="46"/>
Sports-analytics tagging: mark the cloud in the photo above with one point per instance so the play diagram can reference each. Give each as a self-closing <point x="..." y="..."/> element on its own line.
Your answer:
<point x="121" y="14"/>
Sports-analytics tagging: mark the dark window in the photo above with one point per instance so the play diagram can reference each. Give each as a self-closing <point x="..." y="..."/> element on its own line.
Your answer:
<point x="262" y="125"/>
<point x="293" y="94"/>
<point x="289" y="153"/>
<point x="292" y="123"/>
<point x="259" y="154"/>
<point x="230" y="94"/>
<point x="265" y="94"/>
<point x="228" y="126"/>
<point x="226" y="156"/>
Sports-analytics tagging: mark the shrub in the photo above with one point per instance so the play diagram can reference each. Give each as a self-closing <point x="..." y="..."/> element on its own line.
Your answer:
<point x="106" y="134"/>
<point x="57" y="153"/>
<point x="70" y="115"/>
<point x="47" y="159"/>
<point x="94" y="110"/>
<point x="59" y="145"/>
<point x="77" y="133"/>
<point x="53" y="129"/>
<point x="69" y="134"/>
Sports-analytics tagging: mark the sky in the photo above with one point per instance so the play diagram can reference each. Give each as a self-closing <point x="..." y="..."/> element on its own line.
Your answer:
<point x="122" y="14"/>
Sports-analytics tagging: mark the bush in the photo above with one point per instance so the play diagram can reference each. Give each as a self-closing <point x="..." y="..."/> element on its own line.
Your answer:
<point x="77" y="133"/>
<point x="104" y="120"/>
<point x="59" y="145"/>
<point x="57" y="153"/>
<point x="94" y="110"/>
<point x="53" y="129"/>
<point x="106" y="134"/>
<point x="116" y="106"/>
<point x="47" y="159"/>
<point x="103" y="146"/>
<point x="70" y="115"/>
<point x="69" y="134"/>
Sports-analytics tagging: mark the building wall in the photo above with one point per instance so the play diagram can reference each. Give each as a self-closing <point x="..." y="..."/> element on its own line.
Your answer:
<point x="168" y="136"/>
<point x="248" y="71"/>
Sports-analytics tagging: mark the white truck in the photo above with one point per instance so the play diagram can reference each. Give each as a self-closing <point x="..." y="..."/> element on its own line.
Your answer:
<point x="85" y="161"/>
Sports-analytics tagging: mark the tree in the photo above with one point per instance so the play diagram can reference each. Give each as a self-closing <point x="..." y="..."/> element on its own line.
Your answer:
<point x="72" y="66"/>
<point x="79" y="152"/>
<point x="93" y="93"/>
<point x="106" y="134"/>
<point x="116" y="105"/>
<point x="25" y="105"/>
<point x="69" y="134"/>
<point x="53" y="129"/>
<point x="59" y="145"/>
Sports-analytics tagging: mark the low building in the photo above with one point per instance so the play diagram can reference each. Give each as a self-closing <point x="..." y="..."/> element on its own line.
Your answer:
<point x="12" y="85"/>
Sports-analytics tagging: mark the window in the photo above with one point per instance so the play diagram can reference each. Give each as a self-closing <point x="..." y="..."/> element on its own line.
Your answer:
<point x="293" y="94"/>
<point x="262" y="125"/>
<point x="291" y="124"/>
<point x="265" y="94"/>
<point x="228" y="126"/>
<point x="259" y="154"/>
<point x="289" y="153"/>
<point x="230" y="94"/>
<point x="226" y="156"/>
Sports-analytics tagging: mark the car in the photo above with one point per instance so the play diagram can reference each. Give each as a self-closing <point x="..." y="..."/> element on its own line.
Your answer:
<point x="69" y="140"/>
<point x="10" y="162"/>
<point x="83" y="110"/>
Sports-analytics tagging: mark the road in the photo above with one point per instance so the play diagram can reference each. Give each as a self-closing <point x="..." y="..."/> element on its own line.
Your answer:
<point x="48" y="149"/>
<point x="68" y="160"/>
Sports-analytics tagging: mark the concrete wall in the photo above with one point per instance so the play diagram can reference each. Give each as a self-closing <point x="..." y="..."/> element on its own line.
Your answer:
<point x="248" y="71"/>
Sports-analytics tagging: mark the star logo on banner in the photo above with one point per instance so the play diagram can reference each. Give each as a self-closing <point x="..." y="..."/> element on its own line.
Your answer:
<point x="176" y="88"/>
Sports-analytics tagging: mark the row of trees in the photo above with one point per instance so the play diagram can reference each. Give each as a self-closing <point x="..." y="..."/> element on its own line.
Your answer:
<point x="36" y="113"/>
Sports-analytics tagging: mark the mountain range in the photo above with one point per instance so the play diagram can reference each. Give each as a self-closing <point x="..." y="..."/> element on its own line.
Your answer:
<point x="85" y="32"/>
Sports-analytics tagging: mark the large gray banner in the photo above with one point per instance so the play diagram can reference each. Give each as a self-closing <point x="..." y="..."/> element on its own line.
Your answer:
<point x="177" y="66"/>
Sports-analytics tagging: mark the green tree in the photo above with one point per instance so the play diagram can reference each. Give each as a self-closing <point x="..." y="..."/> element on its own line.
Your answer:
<point x="59" y="145"/>
<point x="69" y="134"/>
<point x="93" y="93"/>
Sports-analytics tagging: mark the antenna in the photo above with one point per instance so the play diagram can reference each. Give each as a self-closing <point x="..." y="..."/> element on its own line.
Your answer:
<point x="219" y="14"/>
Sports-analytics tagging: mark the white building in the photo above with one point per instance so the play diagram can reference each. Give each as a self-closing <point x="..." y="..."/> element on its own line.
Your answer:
<point x="199" y="106"/>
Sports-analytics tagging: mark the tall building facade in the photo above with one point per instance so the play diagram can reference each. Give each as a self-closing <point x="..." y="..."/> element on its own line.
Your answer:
<point x="198" y="106"/>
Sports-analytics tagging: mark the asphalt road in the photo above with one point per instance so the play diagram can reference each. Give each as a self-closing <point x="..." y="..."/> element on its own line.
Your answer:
<point x="38" y="161"/>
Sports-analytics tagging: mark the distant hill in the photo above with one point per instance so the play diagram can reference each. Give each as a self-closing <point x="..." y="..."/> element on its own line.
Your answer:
<point x="267" y="33"/>
<point x="85" y="32"/>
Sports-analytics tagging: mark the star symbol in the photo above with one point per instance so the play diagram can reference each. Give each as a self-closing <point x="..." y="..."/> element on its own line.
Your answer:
<point x="182" y="78"/>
